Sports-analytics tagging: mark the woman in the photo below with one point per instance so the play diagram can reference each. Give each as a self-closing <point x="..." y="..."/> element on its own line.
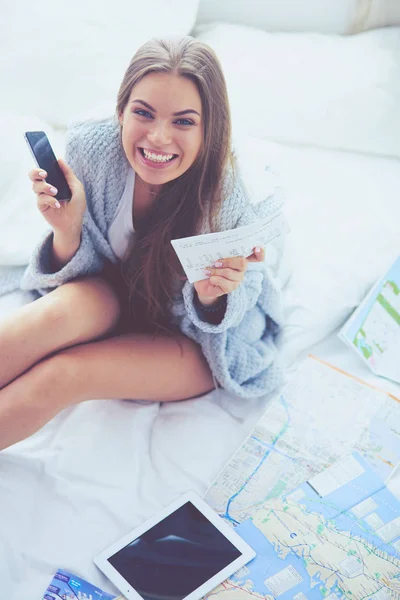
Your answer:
<point x="116" y="318"/>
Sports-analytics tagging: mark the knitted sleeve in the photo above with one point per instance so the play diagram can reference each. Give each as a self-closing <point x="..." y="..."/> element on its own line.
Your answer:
<point x="39" y="274"/>
<point x="238" y="302"/>
<point x="240" y="350"/>
<point x="245" y="296"/>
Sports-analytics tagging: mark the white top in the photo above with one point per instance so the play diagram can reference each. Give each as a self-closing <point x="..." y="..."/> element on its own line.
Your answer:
<point x="121" y="229"/>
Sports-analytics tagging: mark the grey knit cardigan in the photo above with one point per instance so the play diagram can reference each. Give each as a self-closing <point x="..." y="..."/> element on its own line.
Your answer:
<point x="240" y="350"/>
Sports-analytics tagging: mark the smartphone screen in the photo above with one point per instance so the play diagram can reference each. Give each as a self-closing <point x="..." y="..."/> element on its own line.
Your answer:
<point x="46" y="160"/>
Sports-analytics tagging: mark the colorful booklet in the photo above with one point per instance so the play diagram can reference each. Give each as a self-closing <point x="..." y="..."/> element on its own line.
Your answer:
<point x="66" y="586"/>
<point x="373" y="330"/>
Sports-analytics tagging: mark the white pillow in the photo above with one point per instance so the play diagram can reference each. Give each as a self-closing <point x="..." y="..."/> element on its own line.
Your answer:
<point x="324" y="16"/>
<point x="343" y="210"/>
<point x="322" y="90"/>
<point x="65" y="57"/>
<point x="286" y="15"/>
<point x="21" y="224"/>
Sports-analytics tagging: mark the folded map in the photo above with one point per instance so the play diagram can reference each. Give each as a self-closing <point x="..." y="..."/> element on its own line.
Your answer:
<point x="373" y="330"/>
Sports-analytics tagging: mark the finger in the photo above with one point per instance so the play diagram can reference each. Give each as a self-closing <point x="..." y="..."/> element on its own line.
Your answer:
<point x="230" y="274"/>
<point x="37" y="174"/>
<point x="257" y="256"/>
<point x="41" y="187"/>
<point x="45" y="202"/>
<point x="239" y="263"/>
<point x="225" y="285"/>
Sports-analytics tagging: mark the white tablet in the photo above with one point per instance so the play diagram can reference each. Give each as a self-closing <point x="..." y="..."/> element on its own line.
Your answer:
<point x="181" y="553"/>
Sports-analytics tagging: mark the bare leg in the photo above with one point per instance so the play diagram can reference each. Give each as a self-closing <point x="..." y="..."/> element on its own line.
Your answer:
<point x="76" y="312"/>
<point x="133" y="366"/>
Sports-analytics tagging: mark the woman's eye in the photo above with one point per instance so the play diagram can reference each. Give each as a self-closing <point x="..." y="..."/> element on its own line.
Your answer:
<point x="186" y="122"/>
<point x="145" y="113"/>
<point x="139" y="111"/>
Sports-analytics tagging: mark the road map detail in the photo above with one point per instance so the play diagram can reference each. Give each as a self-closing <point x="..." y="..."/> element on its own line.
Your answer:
<point x="306" y="492"/>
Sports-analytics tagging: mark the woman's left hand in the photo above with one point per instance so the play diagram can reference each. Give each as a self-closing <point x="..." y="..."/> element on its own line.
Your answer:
<point x="225" y="276"/>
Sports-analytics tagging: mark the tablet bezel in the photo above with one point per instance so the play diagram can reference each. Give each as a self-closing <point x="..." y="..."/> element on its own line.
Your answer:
<point x="247" y="553"/>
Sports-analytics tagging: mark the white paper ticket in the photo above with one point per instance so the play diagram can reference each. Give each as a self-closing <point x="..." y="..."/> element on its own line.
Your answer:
<point x="200" y="251"/>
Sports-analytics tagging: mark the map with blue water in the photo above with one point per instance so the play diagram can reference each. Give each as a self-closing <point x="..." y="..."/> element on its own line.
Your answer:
<point x="306" y="490"/>
<point x="336" y="536"/>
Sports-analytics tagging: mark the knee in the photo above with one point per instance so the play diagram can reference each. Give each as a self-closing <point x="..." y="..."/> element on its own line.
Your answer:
<point x="87" y="308"/>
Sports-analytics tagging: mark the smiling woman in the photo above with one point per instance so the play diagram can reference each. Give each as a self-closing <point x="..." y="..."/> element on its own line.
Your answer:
<point x="161" y="168"/>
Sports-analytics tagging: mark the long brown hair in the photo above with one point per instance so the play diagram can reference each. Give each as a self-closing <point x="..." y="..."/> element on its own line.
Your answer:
<point x="150" y="268"/>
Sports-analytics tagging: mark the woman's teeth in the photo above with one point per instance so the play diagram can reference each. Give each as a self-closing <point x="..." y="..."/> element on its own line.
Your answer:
<point x="157" y="157"/>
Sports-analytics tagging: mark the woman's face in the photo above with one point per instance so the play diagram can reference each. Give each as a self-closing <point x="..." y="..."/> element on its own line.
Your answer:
<point x="153" y="132"/>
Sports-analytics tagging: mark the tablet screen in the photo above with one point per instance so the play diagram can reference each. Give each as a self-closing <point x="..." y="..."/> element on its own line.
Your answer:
<point x="176" y="556"/>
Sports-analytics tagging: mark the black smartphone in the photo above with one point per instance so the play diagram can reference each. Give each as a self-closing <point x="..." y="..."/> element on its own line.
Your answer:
<point x="45" y="159"/>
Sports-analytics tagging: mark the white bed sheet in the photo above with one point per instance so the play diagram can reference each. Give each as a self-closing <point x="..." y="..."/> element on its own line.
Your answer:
<point x="100" y="468"/>
<point x="97" y="470"/>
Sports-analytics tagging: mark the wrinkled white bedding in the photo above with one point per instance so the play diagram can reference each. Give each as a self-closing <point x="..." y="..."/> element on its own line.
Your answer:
<point x="100" y="468"/>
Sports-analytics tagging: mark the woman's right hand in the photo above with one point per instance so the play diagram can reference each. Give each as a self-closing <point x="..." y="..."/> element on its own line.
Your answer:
<point x="64" y="217"/>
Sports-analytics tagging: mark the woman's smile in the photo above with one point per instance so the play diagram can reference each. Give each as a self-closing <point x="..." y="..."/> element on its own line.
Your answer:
<point x="156" y="160"/>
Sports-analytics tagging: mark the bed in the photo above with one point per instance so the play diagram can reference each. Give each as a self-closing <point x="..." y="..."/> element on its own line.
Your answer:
<point x="321" y="121"/>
